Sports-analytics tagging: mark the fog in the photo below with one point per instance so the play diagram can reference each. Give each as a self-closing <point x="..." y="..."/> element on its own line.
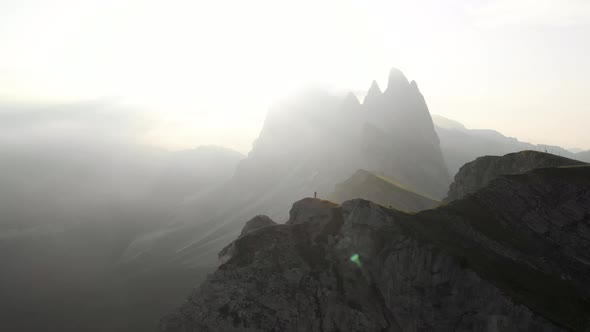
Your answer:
<point x="93" y="214"/>
<point x="137" y="138"/>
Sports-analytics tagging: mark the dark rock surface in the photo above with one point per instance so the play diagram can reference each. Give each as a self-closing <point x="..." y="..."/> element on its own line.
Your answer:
<point x="476" y="174"/>
<point x="514" y="256"/>
<point x="257" y="222"/>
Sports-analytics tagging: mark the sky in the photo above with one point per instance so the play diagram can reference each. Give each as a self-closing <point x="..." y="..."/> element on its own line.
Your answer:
<point x="205" y="72"/>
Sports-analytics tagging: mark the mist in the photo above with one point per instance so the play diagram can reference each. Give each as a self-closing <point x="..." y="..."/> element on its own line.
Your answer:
<point x="294" y="166"/>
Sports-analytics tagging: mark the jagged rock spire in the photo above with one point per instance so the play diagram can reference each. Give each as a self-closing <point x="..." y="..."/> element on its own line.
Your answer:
<point x="373" y="93"/>
<point x="397" y="80"/>
<point x="351" y="99"/>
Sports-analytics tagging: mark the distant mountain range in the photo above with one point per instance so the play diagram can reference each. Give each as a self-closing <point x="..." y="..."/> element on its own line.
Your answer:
<point x="461" y="145"/>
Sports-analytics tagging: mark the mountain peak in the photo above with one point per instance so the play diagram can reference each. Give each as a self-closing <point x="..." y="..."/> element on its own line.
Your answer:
<point x="397" y="80"/>
<point x="373" y="93"/>
<point x="351" y="99"/>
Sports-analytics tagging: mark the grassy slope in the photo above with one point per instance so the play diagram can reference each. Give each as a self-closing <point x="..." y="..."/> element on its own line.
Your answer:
<point x="383" y="191"/>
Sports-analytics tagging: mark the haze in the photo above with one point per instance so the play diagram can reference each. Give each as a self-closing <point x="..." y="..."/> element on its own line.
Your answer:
<point x="185" y="73"/>
<point x="304" y="165"/>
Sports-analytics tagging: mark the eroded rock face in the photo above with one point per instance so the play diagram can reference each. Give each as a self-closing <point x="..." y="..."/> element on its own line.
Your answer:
<point x="311" y="210"/>
<point x="395" y="115"/>
<point x="470" y="266"/>
<point x="476" y="174"/>
<point x="257" y="222"/>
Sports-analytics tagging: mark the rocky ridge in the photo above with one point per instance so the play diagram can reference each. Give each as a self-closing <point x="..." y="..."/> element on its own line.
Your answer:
<point x="512" y="256"/>
<point x="476" y="174"/>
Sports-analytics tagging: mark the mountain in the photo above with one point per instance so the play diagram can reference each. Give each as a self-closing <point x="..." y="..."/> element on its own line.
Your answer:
<point x="460" y="145"/>
<point x="476" y="174"/>
<point x="381" y="190"/>
<point x="514" y="255"/>
<point x="309" y="143"/>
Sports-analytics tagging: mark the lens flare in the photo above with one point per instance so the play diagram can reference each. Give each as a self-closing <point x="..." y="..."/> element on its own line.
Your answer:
<point x="356" y="259"/>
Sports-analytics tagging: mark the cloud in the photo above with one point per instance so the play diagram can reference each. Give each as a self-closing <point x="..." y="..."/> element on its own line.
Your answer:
<point x="556" y="13"/>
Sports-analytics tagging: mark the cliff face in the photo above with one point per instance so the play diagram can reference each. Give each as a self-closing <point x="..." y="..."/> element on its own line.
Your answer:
<point x="381" y="190"/>
<point x="313" y="141"/>
<point x="399" y="139"/>
<point x="476" y="174"/>
<point x="513" y="256"/>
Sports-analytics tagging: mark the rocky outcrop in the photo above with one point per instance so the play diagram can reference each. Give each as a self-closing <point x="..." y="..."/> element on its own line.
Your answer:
<point x="476" y="174"/>
<point x="513" y="256"/>
<point x="257" y="222"/>
<point x="381" y="190"/>
<point x="311" y="210"/>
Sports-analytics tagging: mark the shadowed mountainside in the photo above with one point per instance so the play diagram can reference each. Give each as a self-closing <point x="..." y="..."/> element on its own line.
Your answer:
<point x="512" y="255"/>
<point x="476" y="174"/>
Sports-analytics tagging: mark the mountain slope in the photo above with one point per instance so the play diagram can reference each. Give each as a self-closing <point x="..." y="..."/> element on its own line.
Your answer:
<point x="514" y="255"/>
<point x="381" y="190"/>
<point x="476" y="174"/>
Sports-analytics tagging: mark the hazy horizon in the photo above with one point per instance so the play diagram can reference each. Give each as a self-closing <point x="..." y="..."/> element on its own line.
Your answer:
<point x="188" y="74"/>
<point x="202" y="165"/>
